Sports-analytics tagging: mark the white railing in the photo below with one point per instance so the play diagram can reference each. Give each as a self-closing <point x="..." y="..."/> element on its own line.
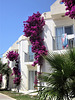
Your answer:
<point x="29" y="57"/>
<point x="57" y="43"/>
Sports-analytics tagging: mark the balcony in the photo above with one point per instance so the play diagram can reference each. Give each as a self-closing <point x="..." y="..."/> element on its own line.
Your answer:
<point x="57" y="43"/>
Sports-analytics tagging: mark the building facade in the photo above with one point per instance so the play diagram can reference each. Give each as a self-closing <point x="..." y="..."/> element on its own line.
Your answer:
<point x="56" y="25"/>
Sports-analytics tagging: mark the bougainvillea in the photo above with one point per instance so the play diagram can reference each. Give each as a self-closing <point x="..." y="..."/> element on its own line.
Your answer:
<point x="16" y="71"/>
<point x="12" y="55"/>
<point x="36" y="81"/>
<point x="70" y="6"/>
<point x="17" y="80"/>
<point x="17" y="74"/>
<point x="33" y="28"/>
<point x="0" y="78"/>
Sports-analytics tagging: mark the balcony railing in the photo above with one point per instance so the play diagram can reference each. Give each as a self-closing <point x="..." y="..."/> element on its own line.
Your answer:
<point x="57" y="43"/>
<point x="29" y="57"/>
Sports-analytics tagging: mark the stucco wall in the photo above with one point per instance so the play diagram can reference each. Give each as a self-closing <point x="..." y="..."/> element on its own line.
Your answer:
<point x="25" y="67"/>
<point x="65" y="21"/>
<point x="49" y="32"/>
<point x="57" y="8"/>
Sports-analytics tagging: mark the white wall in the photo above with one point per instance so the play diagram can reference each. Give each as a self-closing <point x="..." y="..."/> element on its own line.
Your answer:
<point x="24" y="66"/>
<point x="49" y="32"/>
<point x="64" y="21"/>
<point x="57" y="8"/>
<point x="22" y="47"/>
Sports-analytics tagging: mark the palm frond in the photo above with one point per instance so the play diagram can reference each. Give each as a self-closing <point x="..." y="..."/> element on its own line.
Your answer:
<point x="61" y="81"/>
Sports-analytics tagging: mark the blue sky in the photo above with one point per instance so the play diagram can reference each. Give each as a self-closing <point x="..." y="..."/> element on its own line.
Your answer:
<point x="12" y="15"/>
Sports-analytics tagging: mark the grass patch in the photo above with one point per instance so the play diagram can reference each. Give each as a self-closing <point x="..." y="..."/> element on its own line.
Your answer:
<point x="18" y="96"/>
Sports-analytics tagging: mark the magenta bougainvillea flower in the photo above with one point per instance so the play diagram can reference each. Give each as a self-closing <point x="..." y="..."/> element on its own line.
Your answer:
<point x="17" y="80"/>
<point x="16" y="71"/>
<point x="36" y="81"/>
<point x="12" y="55"/>
<point x="39" y="73"/>
<point x="33" y="29"/>
<point x="17" y="74"/>
<point x="70" y="7"/>
<point x="0" y="78"/>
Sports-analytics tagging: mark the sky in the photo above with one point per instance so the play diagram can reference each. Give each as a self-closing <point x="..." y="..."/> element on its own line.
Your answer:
<point x="12" y="15"/>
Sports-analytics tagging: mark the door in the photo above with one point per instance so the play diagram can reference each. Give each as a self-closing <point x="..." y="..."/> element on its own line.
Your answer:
<point x="59" y="32"/>
<point x="32" y="75"/>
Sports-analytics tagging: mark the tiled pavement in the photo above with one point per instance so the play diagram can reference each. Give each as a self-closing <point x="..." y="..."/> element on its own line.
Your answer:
<point x="5" y="97"/>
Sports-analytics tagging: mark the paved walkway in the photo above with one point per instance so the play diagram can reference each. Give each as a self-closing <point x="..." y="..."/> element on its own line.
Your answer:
<point x="5" y="97"/>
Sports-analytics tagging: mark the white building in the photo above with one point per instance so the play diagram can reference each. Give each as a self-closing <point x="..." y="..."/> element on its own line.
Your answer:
<point x="56" y="25"/>
<point x="28" y="72"/>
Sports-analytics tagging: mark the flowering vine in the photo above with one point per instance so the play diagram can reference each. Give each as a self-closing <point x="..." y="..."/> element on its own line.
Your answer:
<point x="35" y="81"/>
<point x="70" y="6"/>
<point x="33" y="29"/>
<point x="13" y="56"/>
<point x="17" y="74"/>
<point x="0" y="80"/>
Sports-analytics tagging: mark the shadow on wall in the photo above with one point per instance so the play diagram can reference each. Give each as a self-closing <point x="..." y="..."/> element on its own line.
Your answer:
<point x="24" y="74"/>
<point x="48" y="35"/>
<point x="11" y="83"/>
<point x="64" y="21"/>
<point x="22" y="86"/>
<point x="23" y="79"/>
<point x="46" y="67"/>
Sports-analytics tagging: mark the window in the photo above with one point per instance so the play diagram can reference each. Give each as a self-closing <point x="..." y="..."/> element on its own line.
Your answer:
<point x="29" y="57"/>
<point x="31" y="54"/>
<point x="61" y="2"/>
<point x="59" y="31"/>
<point x="68" y="30"/>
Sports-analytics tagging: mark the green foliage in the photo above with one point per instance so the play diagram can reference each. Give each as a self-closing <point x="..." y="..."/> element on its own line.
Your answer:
<point x="61" y="81"/>
<point x="4" y="69"/>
